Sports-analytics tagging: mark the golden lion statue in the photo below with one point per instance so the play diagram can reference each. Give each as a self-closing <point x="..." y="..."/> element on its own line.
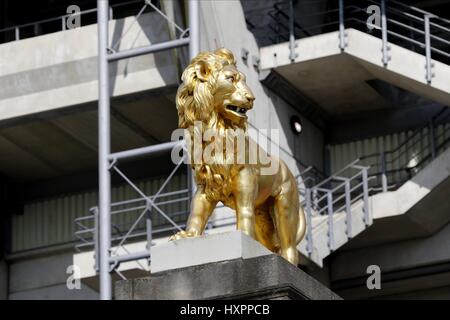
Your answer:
<point x="267" y="206"/>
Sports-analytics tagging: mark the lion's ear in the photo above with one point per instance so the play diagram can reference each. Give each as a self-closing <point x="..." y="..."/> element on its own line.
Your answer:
<point x="202" y="70"/>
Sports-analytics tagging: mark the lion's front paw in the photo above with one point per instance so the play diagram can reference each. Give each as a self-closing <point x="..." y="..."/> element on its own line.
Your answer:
<point x="181" y="235"/>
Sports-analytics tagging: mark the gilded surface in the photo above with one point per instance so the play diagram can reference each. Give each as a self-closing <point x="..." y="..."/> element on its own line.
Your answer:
<point x="215" y="94"/>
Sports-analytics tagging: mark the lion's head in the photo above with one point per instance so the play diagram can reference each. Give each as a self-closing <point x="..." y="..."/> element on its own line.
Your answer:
<point x="213" y="92"/>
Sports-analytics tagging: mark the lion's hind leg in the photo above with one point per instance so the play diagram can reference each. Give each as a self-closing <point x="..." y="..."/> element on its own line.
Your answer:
<point x="286" y="218"/>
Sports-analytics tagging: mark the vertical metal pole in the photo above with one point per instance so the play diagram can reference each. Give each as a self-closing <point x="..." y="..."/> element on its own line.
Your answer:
<point x="96" y="237"/>
<point x="432" y="136"/>
<point x="315" y="197"/>
<point x="63" y="21"/>
<point x="104" y="142"/>
<point x="330" y="221"/>
<point x="194" y="49"/>
<point x="309" y="235"/>
<point x="149" y="228"/>
<point x="194" y="28"/>
<point x="429" y="74"/>
<point x="384" y="34"/>
<point x="292" y="45"/>
<point x="348" y="209"/>
<point x="384" y="182"/>
<point x="367" y="217"/>
<point x="17" y="34"/>
<point x="341" y="26"/>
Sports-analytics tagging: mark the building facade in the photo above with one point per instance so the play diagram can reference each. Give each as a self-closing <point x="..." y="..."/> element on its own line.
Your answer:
<point x="366" y="81"/>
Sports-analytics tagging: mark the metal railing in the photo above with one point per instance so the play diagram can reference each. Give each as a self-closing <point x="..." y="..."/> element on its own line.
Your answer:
<point x="418" y="148"/>
<point x="370" y="174"/>
<point x="57" y="24"/>
<point x="338" y="193"/>
<point x="130" y="219"/>
<point x="134" y="220"/>
<point x="392" y="21"/>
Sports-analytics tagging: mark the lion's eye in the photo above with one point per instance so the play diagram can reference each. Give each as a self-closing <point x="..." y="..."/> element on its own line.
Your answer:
<point x="229" y="77"/>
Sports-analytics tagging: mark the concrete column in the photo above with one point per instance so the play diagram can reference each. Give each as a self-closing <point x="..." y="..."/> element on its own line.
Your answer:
<point x="3" y="280"/>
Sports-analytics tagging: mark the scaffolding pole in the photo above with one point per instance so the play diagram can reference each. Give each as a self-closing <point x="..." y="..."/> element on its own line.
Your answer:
<point x="105" y="158"/>
<point x="104" y="148"/>
<point x="194" y="28"/>
<point x="194" y="49"/>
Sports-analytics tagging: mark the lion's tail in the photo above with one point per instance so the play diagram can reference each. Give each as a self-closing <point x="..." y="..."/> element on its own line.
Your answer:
<point x="301" y="225"/>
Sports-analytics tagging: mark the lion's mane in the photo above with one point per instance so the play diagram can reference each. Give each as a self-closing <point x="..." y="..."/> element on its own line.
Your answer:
<point x="195" y="103"/>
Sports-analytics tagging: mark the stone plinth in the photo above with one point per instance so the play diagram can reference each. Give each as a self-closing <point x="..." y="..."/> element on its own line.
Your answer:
<point x="229" y="266"/>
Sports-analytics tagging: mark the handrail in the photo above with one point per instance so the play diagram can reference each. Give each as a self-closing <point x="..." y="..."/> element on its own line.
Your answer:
<point x="337" y="173"/>
<point x="403" y="15"/>
<point x="63" y="17"/>
<point x="420" y="11"/>
<point x="408" y="139"/>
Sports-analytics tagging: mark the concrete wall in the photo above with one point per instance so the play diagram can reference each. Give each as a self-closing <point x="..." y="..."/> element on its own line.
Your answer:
<point x="3" y="280"/>
<point x="60" y="69"/>
<point x="343" y="154"/>
<point x="407" y="266"/>
<point x="50" y="221"/>
<point x="306" y="16"/>
<point x="440" y="293"/>
<point x="45" y="278"/>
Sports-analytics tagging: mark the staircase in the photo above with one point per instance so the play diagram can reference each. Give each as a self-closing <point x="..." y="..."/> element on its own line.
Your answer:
<point x="340" y="207"/>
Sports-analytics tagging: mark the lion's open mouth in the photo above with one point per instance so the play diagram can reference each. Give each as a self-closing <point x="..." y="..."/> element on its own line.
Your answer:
<point x="238" y="110"/>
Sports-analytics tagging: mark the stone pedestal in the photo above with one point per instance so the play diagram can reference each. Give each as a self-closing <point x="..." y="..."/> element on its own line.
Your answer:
<point x="230" y="266"/>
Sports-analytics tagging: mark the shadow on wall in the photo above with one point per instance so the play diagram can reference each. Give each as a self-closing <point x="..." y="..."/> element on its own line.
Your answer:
<point x="307" y="147"/>
<point x="156" y="30"/>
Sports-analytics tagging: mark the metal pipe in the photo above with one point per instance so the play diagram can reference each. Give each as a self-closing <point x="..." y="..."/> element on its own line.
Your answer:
<point x="148" y="49"/>
<point x="194" y="49"/>
<point x="348" y="209"/>
<point x="149" y="230"/>
<point x="352" y="164"/>
<point x="104" y="144"/>
<point x="309" y="236"/>
<point x="384" y="182"/>
<point x="432" y="136"/>
<point x="292" y="45"/>
<point x="341" y="26"/>
<point x="141" y="152"/>
<point x="367" y="216"/>
<point x="129" y="257"/>
<point x="96" y="241"/>
<point x="194" y="28"/>
<point x="429" y="74"/>
<point x="384" y="35"/>
<point x="330" y="221"/>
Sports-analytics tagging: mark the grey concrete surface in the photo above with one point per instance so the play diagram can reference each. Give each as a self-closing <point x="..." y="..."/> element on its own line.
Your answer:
<point x="391" y="257"/>
<point x="337" y="81"/>
<point x="59" y="70"/>
<point x="45" y="277"/>
<point x="3" y="280"/>
<point x="205" y="249"/>
<point x="265" y="277"/>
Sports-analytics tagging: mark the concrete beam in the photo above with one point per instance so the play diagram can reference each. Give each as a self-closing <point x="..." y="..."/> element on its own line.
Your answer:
<point x="63" y="72"/>
<point x="337" y="81"/>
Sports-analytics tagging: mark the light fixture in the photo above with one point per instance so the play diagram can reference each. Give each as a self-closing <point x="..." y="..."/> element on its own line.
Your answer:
<point x="296" y="125"/>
